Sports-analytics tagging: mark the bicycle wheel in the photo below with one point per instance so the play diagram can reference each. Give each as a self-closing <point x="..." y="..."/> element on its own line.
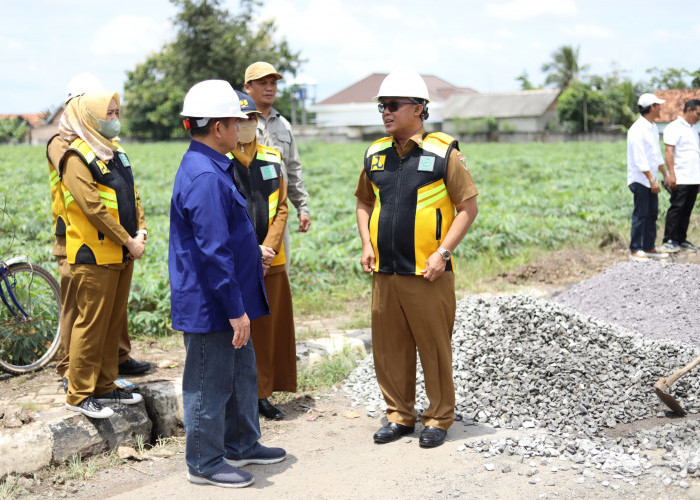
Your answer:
<point x="28" y="342"/>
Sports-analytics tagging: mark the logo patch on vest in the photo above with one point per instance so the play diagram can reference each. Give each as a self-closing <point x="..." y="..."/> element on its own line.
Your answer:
<point x="378" y="162"/>
<point x="426" y="164"/>
<point x="268" y="172"/>
<point x="124" y="159"/>
<point x="103" y="168"/>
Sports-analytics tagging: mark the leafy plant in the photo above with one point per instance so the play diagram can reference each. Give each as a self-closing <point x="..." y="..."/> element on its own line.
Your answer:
<point x="541" y="196"/>
<point x="12" y="129"/>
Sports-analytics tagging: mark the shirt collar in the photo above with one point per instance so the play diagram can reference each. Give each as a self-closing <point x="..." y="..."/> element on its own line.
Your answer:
<point x="415" y="140"/>
<point x="221" y="161"/>
<point x="683" y="121"/>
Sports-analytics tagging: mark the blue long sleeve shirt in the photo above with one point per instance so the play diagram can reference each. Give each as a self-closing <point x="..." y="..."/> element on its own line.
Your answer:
<point x="213" y="259"/>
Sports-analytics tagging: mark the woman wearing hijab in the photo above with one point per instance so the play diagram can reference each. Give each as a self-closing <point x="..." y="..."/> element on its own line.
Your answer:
<point x="257" y="171"/>
<point x="106" y="231"/>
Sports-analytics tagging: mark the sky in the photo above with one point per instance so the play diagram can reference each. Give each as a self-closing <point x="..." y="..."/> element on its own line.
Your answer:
<point x="476" y="44"/>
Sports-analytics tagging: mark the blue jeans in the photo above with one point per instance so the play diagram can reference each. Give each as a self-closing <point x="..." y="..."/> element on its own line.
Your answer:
<point x="646" y="209"/>
<point x="220" y="400"/>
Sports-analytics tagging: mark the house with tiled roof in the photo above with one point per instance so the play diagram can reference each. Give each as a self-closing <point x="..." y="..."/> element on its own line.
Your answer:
<point x="529" y="111"/>
<point x="353" y="106"/>
<point x="32" y="120"/>
<point x="673" y="107"/>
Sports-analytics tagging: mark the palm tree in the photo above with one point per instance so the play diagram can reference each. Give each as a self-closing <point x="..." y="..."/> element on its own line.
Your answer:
<point x="564" y="68"/>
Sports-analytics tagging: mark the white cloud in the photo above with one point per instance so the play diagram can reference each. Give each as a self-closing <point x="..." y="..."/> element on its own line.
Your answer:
<point x="505" y="34"/>
<point x="665" y="35"/>
<point x="8" y="44"/>
<point x="131" y="35"/>
<point x="592" y="31"/>
<point x="519" y="10"/>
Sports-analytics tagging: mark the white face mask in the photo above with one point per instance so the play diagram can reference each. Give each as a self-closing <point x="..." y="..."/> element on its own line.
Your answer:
<point x="247" y="129"/>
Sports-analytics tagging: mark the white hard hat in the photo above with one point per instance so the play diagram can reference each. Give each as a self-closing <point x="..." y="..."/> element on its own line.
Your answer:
<point x="81" y="83"/>
<point x="403" y="83"/>
<point x="212" y="99"/>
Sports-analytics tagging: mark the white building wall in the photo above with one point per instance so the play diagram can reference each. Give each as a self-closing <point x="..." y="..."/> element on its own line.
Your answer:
<point x="359" y="114"/>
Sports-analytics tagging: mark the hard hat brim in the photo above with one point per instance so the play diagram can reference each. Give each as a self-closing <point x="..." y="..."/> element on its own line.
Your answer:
<point x="378" y="97"/>
<point x="239" y="114"/>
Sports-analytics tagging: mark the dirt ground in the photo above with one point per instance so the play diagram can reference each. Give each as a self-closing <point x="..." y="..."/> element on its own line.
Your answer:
<point x="330" y="448"/>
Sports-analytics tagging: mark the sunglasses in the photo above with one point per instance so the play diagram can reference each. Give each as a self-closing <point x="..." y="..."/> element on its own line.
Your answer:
<point x="392" y="106"/>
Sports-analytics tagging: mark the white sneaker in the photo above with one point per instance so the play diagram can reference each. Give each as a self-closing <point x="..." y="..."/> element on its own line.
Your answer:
<point x="120" y="395"/>
<point x="656" y="254"/>
<point x="92" y="408"/>
<point x="671" y="247"/>
<point x="639" y="255"/>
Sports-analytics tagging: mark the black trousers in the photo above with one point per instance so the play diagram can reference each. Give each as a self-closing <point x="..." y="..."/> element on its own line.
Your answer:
<point x="678" y="215"/>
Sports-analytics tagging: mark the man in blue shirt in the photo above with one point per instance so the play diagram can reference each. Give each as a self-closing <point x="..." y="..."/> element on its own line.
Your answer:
<point x="217" y="288"/>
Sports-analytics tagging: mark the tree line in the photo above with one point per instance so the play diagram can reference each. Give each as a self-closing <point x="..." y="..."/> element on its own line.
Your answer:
<point x="607" y="101"/>
<point x="211" y="42"/>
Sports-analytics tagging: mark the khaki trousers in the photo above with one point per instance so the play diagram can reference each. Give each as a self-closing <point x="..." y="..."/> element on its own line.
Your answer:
<point x="69" y="311"/>
<point x="274" y="339"/>
<point x="101" y="296"/>
<point x="409" y="312"/>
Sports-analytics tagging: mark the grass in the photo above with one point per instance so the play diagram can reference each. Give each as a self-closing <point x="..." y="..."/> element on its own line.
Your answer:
<point x="10" y="487"/>
<point x="533" y="198"/>
<point x="140" y="443"/>
<point x="77" y="468"/>
<point x="327" y="373"/>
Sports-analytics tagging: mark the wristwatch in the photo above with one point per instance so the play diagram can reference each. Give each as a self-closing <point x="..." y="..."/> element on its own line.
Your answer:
<point x="444" y="253"/>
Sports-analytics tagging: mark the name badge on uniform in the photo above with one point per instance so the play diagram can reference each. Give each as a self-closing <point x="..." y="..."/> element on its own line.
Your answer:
<point x="268" y="172"/>
<point x="426" y="164"/>
<point x="124" y="159"/>
<point x="378" y="162"/>
<point x="103" y="168"/>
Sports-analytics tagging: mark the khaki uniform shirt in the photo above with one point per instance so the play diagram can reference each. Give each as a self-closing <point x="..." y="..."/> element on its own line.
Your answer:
<point x="276" y="132"/>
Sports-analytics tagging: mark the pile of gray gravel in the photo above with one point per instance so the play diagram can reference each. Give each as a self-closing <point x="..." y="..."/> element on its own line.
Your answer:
<point x="659" y="300"/>
<point x="564" y="377"/>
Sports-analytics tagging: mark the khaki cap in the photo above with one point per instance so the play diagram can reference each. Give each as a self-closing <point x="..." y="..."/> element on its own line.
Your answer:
<point x="260" y="69"/>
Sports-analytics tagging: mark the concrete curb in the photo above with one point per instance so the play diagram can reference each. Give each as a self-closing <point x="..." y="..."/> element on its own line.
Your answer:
<point x="56" y="435"/>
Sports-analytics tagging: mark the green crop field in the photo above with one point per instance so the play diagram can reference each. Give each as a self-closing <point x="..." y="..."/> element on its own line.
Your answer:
<point x="531" y="196"/>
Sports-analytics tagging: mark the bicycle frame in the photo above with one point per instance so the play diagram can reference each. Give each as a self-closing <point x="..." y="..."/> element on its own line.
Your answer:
<point x="3" y="272"/>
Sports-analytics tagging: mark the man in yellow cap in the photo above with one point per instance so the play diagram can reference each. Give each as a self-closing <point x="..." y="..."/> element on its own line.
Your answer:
<point x="276" y="132"/>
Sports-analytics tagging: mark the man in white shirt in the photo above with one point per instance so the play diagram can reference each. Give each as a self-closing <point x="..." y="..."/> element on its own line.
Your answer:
<point x="683" y="162"/>
<point x="643" y="162"/>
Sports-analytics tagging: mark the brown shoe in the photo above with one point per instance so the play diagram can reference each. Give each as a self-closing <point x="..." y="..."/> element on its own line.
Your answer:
<point x="655" y="254"/>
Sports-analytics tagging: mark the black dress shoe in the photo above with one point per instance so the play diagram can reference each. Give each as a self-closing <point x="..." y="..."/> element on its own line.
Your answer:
<point x="269" y="411"/>
<point x="432" y="437"/>
<point x="391" y="432"/>
<point x="133" y="367"/>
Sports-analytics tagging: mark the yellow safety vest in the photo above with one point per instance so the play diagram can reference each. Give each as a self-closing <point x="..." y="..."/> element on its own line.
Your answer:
<point x="58" y="204"/>
<point x="84" y="243"/>
<point x="260" y="183"/>
<point x="412" y="211"/>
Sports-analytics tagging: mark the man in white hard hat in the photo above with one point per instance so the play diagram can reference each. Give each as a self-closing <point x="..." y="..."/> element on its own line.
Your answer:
<point x="217" y="288"/>
<point x="683" y="163"/>
<point x="415" y="203"/>
<point x="55" y="149"/>
<point x="644" y="160"/>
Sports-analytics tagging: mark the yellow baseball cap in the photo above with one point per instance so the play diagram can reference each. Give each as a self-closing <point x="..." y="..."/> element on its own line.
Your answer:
<point x="260" y="69"/>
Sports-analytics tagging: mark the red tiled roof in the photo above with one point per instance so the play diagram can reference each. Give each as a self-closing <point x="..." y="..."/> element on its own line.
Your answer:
<point x="366" y="89"/>
<point x="675" y="100"/>
<point x="33" y="119"/>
